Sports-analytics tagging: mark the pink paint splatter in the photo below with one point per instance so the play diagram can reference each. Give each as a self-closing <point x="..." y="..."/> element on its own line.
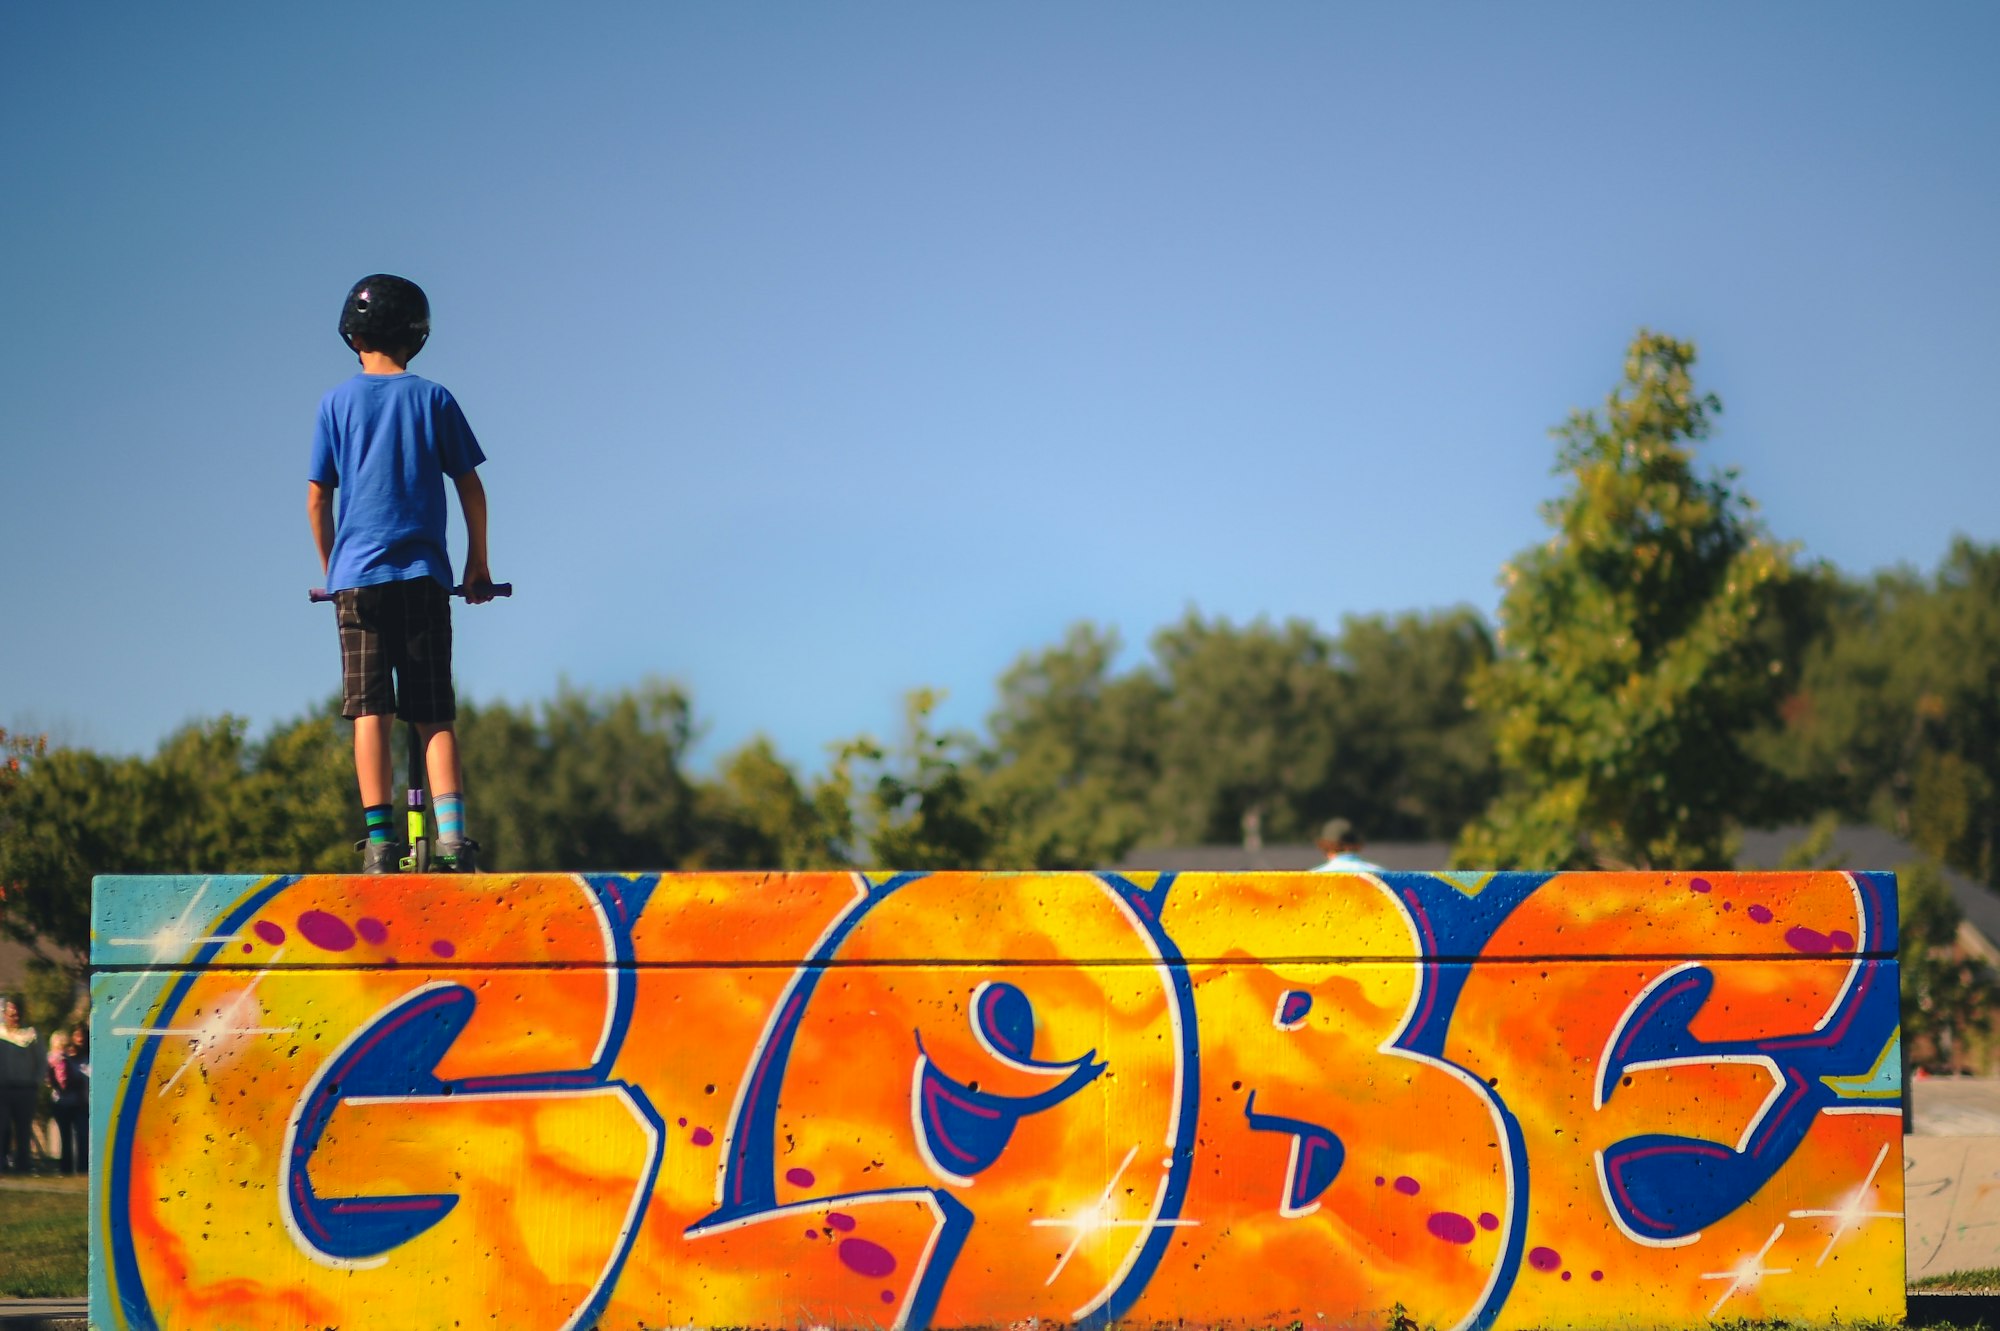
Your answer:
<point x="1565" y="1275"/>
<point x="371" y="929"/>
<point x="246" y="947"/>
<point x="444" y="948"/>
<point x="701" y="1136"/>
<point x="1729" y="905"/>
<point x="840" y="1220"/>
<point x="1487" y="1220"/>
<point x="1408" y="1186"/>
<point x="1451" y="1227"/>
<point x="270" y="932"/>
<point x="1597" y="1275"/>
<point x="1379" y="1180"/>
<point x="1802" y="939"/>
<point x="1700" y="884"/>
<point x="888" y="1296"/>
<point x="327" y="932"/>
<point x="799" y="1178"/>
<point x="868" y="1259"/>
<point x="1544" y="1259"/>
<point x="683" y="1122"/>
<point x="1760" y="913"/>
<point x="813" y="1234"/>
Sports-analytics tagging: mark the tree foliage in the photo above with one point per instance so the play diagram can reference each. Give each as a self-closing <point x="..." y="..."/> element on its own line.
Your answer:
<point x="1636" y="646"/>
<point x="1897" y="716"/>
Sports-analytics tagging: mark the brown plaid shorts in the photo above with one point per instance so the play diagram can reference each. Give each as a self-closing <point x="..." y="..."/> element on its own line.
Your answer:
<point x="399" y="629"/>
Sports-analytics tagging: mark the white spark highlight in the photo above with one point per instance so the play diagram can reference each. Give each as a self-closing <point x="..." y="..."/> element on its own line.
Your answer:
<point x="218" y="1031"/>
<point x="1098" y="1216"/>
<point x="1853" y="1211"/>
<point x="172" y="941"/>
<point x="1747" y="1273"/>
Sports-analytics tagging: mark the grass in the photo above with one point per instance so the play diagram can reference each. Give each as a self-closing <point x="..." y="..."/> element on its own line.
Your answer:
<point x="46" y="1238"/>
<point x="1984" y="1281"/>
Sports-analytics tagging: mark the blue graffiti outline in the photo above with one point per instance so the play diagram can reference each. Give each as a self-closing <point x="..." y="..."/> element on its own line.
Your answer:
<point x="1449" y="922"/>
<point x="749" y="1179"/>
<point x="1303" y="1186"/>
<point x="1711" y="1180"/>
<point x="620" y="898"/>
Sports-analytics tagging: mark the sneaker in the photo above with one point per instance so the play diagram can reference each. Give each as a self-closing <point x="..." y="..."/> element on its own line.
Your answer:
<point x="381" y="856"/>
<point x="458" y="856"/>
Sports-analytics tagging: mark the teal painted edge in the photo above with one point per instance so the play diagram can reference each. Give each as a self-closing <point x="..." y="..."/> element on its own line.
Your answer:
<point x="158" y="920"/>
<point x="120" y="1005"/>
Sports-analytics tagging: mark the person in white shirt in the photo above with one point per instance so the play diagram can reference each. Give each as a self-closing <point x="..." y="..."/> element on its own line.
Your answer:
<point x="1341" y="845"/>
<point x="21" y="1071"/>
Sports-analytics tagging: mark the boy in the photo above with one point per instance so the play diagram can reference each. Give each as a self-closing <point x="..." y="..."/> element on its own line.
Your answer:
<point x="390" y="438"/>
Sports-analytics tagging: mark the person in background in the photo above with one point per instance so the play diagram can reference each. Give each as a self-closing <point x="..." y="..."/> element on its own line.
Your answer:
<point x="1341" y="845"/>
<point x="69" y="1087"/>
<point x="21" y="1072"/>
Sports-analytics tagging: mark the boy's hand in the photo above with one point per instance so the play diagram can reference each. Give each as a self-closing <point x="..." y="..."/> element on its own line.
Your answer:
<point x="478" y="582"/>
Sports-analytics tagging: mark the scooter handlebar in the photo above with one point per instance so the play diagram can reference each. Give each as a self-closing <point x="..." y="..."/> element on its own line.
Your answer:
<point x="318" y="594"/>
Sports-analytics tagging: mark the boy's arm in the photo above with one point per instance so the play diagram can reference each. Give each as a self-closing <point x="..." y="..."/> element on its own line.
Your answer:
<point x="319" y="511"/>
<point x="472" y="500"/>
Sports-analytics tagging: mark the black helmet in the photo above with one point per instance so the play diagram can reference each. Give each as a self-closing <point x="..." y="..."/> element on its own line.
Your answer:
<point x="390" y="311"/>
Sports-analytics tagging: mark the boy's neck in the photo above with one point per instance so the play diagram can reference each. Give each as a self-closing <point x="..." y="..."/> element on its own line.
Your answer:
<point x="381" y="362"/>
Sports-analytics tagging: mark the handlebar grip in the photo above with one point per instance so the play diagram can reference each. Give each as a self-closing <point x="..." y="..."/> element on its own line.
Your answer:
<point x="319" y="594"/>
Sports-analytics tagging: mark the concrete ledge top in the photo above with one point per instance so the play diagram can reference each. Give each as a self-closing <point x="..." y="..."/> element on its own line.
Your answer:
<point x="756" y="919"/>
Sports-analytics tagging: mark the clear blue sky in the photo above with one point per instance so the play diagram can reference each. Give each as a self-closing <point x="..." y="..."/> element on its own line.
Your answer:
<point x="821" y="351"/>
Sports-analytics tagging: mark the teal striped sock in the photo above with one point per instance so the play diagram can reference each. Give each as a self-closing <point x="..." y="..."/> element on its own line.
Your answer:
<point x="450" y="810"/>
<point x="379" y="820"/>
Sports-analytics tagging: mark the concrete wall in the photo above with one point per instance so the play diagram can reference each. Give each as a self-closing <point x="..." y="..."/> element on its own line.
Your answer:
<point x="1510" y="1101"/>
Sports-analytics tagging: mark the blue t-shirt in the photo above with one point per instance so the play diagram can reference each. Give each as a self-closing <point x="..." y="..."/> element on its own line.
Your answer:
<point x="388" y="441"/>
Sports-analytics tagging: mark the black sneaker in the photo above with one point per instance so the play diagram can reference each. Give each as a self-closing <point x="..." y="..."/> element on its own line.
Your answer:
<point x="458" y="856"/>
<point x="381" y="856"/>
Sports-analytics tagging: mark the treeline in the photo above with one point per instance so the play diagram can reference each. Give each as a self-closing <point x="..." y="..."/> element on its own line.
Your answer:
<point x="1078" y="762"/>
<point x="1662" y="671"/>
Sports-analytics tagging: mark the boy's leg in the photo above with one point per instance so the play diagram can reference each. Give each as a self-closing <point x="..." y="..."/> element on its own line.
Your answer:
<point x="441" y="758"/>
<point x="456" y="850"/>
<point x="427" y="699"/>
<point x="370" y="641"/>
<point x="373" y="761"/>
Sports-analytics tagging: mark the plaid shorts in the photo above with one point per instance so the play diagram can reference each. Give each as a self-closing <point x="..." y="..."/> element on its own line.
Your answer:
<point x="401" y="629"/>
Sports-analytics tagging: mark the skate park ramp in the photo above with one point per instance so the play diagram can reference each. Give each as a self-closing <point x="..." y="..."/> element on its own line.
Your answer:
<point x="1476" y="1100"/>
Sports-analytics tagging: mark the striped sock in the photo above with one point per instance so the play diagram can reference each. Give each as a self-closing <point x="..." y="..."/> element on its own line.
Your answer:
<point x="378" y="819"/>
<point x="450" y="810"/>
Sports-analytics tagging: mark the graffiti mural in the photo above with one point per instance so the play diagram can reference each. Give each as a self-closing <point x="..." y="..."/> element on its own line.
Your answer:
<point x="954" y="1099"/>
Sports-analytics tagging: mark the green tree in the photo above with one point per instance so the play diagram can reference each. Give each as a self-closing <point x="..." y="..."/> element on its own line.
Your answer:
<point x="592" y="782"/>
<point x="1636" y="647"/>
<point x="1415" y="760"/>
<point x="919" y="805"/>
<point x="207" y="801"/>
<point x="1281" y="722"/>
<point x="1249" y="724"/>
<point x="756" y="814"/>
<point x="1948" y="994"/>
<point x="1897" y="716"/>
<point x="1073" y="757"/>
